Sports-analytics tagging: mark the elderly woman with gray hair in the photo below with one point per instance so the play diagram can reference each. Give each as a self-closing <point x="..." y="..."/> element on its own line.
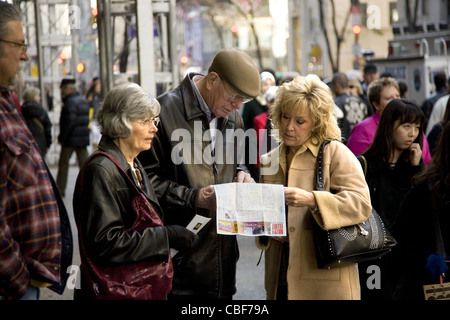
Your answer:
<point x="37" y="119"/>
<point x="102" y="199"/>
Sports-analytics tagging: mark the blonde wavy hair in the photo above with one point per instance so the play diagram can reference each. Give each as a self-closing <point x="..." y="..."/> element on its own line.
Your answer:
<point x="312" y="93"/>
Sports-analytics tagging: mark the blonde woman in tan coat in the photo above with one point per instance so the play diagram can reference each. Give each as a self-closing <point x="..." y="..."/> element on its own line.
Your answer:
<point x="303" y="114"/>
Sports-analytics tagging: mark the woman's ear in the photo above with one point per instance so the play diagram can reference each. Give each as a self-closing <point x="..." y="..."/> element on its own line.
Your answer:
<point x="376" y="106"/>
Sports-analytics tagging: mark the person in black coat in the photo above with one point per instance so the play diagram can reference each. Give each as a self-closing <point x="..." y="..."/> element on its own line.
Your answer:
<point x="393" y="158"/>
<point x="74" y="130"/>
<point x="36" y="118"/>
<point x="435" y="133"/>
<point x="103" y="200"/>
<point x="414" y="229"/>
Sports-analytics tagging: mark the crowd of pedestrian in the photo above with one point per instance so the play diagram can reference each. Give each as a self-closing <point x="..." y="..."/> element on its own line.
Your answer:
<point x="137" y="191"/>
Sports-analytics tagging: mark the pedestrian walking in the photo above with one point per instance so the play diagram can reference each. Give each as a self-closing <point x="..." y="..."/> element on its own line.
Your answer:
<point x="73" y="130"/>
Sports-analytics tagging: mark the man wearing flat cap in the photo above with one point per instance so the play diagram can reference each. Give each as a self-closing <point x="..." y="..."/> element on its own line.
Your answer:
<point x="194" y="149"/>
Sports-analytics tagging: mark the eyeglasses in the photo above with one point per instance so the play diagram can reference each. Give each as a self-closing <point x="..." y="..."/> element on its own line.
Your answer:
<point x="234" y="98"/>
<point x="146" y="123"/>
<point x="22" y="45"/>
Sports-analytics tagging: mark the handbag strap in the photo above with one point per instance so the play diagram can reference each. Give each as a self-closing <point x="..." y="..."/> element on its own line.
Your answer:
<point x="363" y="161"/>
<point x="122" y="171"/>
<point x="319" y="167"/>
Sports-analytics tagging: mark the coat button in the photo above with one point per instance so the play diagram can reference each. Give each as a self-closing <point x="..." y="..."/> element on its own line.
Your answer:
<point x="291" y="229"/>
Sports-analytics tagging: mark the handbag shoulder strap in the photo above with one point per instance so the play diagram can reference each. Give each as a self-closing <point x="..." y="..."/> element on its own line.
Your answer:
<point x="122" y="171"/>
<point x="363" y="162"/>
<point x="319" y="167"/>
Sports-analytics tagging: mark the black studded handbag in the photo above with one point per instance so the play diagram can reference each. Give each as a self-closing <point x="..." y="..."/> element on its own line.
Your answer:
<point x="365" y="241"/>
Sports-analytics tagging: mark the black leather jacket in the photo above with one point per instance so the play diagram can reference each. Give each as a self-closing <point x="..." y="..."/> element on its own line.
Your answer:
<point x="211" y="268"/>
<point x="103" y="207"/>
<point x="74" y="121"/>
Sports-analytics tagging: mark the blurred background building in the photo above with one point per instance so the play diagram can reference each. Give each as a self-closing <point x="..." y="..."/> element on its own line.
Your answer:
<point x="156" y="42"/>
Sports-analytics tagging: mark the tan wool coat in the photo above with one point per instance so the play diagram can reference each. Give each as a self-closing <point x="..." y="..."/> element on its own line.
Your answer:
<point x="347" y="204"/>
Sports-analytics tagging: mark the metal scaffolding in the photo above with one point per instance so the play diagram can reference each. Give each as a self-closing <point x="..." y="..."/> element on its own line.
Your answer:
<point x="53" y="28"/>
<point x="156" y="42"/>
<point x="51" y="35"/>
<point x="60" y="32"/>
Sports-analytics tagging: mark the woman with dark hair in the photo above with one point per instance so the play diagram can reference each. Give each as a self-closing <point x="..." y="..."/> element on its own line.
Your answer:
<point x="390" y="162"/>
<point x="430" y="194"/>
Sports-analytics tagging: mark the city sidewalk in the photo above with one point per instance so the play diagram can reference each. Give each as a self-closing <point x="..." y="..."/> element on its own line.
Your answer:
<point x="249" y="277"/>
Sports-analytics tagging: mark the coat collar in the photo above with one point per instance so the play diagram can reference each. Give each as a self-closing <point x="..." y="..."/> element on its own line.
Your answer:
<point x="192" y="107"/>
<point x="282" y="149"/>
<point x="107" y="145"/>
<point x="308" y="145"/>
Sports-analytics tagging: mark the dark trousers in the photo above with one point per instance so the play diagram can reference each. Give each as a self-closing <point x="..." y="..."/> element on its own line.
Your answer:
<point x="63" y="164"/>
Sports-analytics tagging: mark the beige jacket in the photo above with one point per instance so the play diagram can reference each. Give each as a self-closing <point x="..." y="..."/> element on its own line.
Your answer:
<point x="347" y="204"/>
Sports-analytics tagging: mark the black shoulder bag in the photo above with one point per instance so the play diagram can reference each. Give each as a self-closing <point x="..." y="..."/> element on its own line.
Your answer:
<point x="365" y="241"/>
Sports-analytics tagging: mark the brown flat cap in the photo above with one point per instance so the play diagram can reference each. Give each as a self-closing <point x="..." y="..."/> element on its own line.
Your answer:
<point x="238" y="69"/>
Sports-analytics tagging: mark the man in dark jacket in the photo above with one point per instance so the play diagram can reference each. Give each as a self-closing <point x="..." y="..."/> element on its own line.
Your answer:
<point x="354" y="108"/>
<point x="440" y="82"/>
<point x="73" y="130"/>
<point x="191" y="152"/>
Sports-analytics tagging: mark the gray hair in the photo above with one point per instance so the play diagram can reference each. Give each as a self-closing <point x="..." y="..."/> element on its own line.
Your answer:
<point x="9" y="13"/>
<point x="125" y="103"/>
<point x="31" y="94"/>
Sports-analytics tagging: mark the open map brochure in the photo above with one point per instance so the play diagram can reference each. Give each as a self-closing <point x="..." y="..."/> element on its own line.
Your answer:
<point x="251" y="209"/>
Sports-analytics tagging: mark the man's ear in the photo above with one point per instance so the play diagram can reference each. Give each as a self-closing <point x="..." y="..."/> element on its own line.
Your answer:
<point x="211" y="78"/>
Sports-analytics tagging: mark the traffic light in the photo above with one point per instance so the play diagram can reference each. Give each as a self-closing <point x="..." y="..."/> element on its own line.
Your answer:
<point x="80" y="67"/>
<point x="356" y="29"/>
<point x="184" y="60"/>
<point x="94" y="14"/>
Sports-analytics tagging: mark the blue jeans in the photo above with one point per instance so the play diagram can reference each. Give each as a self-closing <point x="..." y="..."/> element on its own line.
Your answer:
<point x="33" y="293"/>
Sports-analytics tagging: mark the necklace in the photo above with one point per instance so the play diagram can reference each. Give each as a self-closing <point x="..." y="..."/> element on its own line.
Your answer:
<point x="137" y="174"/>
